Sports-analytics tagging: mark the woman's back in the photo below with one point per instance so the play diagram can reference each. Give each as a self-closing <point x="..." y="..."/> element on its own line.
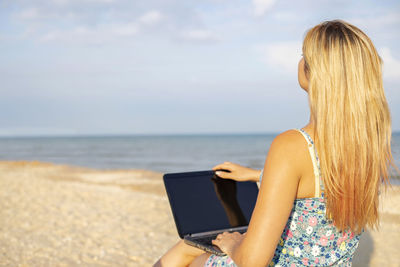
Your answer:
<point x="309" y="238"/>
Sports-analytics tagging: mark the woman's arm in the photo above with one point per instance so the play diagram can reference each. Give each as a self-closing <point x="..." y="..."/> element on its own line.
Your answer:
<point x="236" y="172"/>
<point x="278" y="191"/>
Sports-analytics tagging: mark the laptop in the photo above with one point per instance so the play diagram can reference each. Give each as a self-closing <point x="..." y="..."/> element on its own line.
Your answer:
<point x="204" y="205"/>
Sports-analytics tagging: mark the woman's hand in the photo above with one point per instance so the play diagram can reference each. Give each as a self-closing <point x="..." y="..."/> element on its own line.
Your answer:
<point x="228" y="242"/>
<point x="229" y="170"/>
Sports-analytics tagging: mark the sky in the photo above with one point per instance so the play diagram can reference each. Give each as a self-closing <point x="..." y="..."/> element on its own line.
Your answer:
<point x="82" y="67"/>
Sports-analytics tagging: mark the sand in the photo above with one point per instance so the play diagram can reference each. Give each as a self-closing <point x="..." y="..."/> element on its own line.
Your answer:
<point x="55" y="215"/>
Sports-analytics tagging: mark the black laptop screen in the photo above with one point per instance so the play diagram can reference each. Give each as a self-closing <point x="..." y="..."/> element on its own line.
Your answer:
<point x="201" y="202"/>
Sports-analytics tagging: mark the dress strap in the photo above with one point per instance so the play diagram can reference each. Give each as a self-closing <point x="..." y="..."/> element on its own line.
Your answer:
<point x="319" y="185"/>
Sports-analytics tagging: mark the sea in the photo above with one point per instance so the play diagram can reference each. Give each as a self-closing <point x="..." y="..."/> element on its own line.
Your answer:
<point x="161" y="153"/>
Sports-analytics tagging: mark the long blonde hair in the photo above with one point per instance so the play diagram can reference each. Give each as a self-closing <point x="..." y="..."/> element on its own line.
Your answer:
<point x="352" y="121"/>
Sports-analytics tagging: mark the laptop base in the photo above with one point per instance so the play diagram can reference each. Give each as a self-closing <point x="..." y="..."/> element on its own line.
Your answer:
<point x="203" y="240"/>
<point x="207" y="248"/>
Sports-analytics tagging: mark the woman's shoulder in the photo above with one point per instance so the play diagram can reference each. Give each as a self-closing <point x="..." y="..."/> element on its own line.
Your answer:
<point x="289" y="139"/>
<point x="289" y="147"/>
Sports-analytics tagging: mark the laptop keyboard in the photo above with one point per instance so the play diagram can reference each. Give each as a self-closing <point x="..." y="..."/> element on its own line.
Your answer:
<point x="205" y="239"/>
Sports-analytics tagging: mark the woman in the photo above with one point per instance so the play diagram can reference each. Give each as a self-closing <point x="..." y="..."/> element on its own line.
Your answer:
<point x="315" y="199"/>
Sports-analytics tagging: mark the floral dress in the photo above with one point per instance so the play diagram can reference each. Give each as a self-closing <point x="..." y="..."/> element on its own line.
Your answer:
<point x="309" y="238"/>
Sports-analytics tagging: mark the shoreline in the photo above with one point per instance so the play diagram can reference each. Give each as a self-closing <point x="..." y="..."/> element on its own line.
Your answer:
<point x="61" y="215"/>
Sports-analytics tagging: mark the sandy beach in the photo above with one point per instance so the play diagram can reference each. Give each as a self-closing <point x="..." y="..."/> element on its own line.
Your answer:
<point x="55" y="215"/>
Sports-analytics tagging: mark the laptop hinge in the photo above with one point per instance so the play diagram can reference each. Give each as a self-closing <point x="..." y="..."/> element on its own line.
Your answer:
<point x="234" y="229"/>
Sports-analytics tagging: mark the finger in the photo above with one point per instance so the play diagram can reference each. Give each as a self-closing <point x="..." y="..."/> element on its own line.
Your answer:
<point x="218" y="237"/>
<point x="226" y="175"/>
<point x="226" y="165"/>
<point x="218" y="243"/>
<point x="221" y="166"/>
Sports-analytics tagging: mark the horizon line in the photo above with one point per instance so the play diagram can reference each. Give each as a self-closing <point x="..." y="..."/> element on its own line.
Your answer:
<point x="78" y="135"/>
<point x="136" y="134"/>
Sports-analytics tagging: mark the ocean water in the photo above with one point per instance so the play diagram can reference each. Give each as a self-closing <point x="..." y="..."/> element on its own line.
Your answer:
<point x="169" y="153"/>
<point x="172" y="153"/>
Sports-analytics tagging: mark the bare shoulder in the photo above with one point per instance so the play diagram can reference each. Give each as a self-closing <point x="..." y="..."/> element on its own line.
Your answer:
<point x="287" y="151"/>
<point x="290" y="141"/>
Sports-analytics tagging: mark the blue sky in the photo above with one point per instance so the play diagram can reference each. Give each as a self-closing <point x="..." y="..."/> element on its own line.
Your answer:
<point x="169" y="66"/>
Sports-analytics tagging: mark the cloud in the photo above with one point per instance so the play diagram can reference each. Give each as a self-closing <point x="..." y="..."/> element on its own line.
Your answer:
<point x="378" y="22"/>
<point x="285" y="16"/>
<point x="102" y="33"/>
<point x="391" y="65"/>
<point x="97" y="35"/>
<point x="285" y="55"/>
<point x="29" y="14"/>
<point x="200" y="35"/>
<point x="151" y="17"/>
<point x="66" y="2"/>
<point x="52" y="20"/>
<point x="262" y="6"/>
<point x="39" y="11"/>
<point x="128" y="29"/>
